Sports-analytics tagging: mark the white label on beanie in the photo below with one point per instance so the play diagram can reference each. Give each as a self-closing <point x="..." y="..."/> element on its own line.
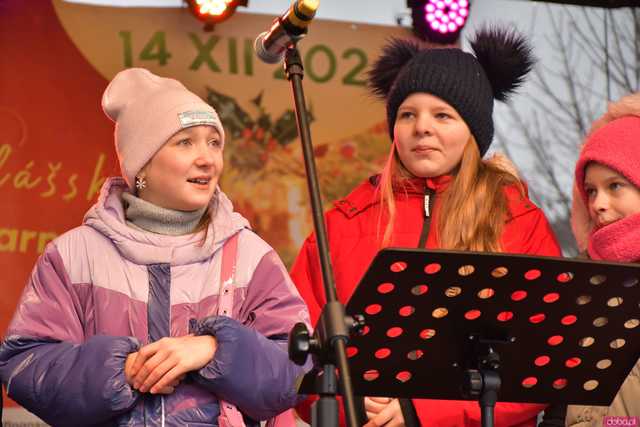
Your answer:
<point x="195" y="118"/>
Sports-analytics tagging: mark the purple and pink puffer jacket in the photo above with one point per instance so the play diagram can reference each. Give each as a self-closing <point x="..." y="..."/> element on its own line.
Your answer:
<point x="103" y="289"/>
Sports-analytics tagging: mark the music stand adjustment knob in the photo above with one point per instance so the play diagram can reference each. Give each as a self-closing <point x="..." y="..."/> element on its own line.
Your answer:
<point x="472" y="386"/>
<point x="299" y="343"/>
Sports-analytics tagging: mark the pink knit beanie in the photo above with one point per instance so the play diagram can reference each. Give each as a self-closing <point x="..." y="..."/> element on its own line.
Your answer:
<point x="148" y="110"/>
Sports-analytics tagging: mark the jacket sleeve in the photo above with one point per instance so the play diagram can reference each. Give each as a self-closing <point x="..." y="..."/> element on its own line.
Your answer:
<point x="529" y="231"/>
<point x="455" y="413"/>
<point x="307" y="277"/>
<point x="45" y="362"/>
<point x="251" y="367"/>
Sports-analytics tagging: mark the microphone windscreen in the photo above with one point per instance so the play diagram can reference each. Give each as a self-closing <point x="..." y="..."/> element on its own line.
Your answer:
<point x="263" y="53"/>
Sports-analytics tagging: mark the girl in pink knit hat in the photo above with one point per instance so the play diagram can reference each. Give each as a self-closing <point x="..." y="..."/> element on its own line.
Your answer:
<point x="606" y="222"/>
<point x="163" y="308"/>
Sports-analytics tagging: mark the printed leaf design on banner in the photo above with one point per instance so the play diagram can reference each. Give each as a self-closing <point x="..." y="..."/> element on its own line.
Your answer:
<point x="239" y="122"/>
<point x="257" y="143"/>
<point x="285" y="130"/>
<point x="234" y="118"/>
<point x="265" y="175"/>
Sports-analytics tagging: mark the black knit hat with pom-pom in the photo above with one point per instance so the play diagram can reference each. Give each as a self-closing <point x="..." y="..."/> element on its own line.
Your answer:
<point x="469" y="83"/>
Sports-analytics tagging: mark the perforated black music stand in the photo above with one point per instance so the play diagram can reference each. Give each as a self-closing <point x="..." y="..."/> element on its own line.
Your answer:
<point x="553" y="330"/>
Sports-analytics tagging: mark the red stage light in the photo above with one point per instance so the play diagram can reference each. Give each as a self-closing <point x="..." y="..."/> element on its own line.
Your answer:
<point x="214" y="11"/>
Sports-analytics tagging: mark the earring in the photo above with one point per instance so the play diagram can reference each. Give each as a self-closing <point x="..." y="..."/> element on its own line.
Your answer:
<point x="140" y="183"/>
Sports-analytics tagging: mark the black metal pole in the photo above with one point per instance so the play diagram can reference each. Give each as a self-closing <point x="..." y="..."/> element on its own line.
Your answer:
<point x="489" y="397"/>
<point x="293" y="65"/>
<point x="481" y="379"/>
<point x="337" y="333"/>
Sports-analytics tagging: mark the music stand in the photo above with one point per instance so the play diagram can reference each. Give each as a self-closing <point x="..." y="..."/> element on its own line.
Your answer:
<point x="466" y="326"/>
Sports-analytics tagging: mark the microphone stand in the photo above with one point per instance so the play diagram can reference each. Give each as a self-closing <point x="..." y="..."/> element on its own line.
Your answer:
<point x="331" y="335"/>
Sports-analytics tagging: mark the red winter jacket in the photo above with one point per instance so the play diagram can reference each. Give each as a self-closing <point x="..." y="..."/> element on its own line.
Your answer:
<point x="352" y="226"/>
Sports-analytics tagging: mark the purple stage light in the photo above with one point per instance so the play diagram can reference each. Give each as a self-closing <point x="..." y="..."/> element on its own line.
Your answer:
<point x="446" y="16"/>
<point x="439" y="21"/>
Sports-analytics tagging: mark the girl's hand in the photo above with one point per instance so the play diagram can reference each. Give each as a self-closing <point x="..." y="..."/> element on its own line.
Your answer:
<point x="162" y="364"/>
<point x="128" y="373"/>
<point x="128" y="367"/>
<point x="383" y="411"/>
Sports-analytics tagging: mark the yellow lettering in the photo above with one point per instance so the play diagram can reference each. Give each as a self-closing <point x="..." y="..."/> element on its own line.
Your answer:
<point x="53" y="170"/>
<point x="4" y="179"/>
<point x="44" y="238"/>
<point x="73" y="189"/>
<point x="5" y="152"/>
<point x="22" y="178"/>
<point x="8" y="239"/>
<point x="97" y="180"/>
<point x="25" y="237"/>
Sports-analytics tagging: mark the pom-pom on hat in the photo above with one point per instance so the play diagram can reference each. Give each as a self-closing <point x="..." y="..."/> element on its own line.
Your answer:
<point x="469" y="83"/>
<point x="148" y="110"/>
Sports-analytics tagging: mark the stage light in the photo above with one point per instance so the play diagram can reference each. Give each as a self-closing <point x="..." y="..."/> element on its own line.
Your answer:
<point x="214" y="11"/>
<point x="439" y="21"/>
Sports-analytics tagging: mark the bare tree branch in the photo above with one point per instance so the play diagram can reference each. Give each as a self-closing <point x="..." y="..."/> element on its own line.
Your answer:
<point x="567" y="97"/>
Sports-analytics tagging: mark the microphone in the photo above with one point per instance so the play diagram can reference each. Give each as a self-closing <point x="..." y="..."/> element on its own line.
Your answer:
<point x="287" y="29"/>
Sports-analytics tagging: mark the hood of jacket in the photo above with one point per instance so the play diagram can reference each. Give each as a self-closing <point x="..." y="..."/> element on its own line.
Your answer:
<point x="107" y="217"/>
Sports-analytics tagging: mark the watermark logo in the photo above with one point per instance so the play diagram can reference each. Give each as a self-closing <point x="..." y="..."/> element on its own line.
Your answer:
<point x="621" y="421"/>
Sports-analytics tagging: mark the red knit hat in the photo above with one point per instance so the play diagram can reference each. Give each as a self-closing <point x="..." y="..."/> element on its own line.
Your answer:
<point x="614" y="142"/>
<point x="616" y="145"/>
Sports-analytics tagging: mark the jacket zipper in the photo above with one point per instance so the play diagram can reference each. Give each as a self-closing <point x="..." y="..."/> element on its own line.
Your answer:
<point x="429" y="198"/>
<point x="162" y="403"/>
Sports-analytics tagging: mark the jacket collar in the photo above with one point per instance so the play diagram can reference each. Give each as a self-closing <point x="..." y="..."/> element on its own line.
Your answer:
<point x="366" y="194"/>
<point x="141" y="247"/>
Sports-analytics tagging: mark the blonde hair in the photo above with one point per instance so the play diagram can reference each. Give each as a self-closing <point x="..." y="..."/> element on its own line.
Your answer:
<point x="203" y="225"/>
<point x="474" y="201"/>
<point x="207" y="217"/>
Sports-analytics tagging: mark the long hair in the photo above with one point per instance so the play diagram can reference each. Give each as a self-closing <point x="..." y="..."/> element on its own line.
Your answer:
<point x="205" y="220"/>
<point x="203" y="225"/>
<point x="473" y="208"/>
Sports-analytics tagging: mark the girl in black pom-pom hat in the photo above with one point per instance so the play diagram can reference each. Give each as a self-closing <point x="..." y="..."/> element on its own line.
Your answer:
<point x="436" y="191"/>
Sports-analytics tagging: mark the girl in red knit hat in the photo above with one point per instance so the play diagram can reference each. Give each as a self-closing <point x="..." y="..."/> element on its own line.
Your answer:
<point x="606" y="222"/>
